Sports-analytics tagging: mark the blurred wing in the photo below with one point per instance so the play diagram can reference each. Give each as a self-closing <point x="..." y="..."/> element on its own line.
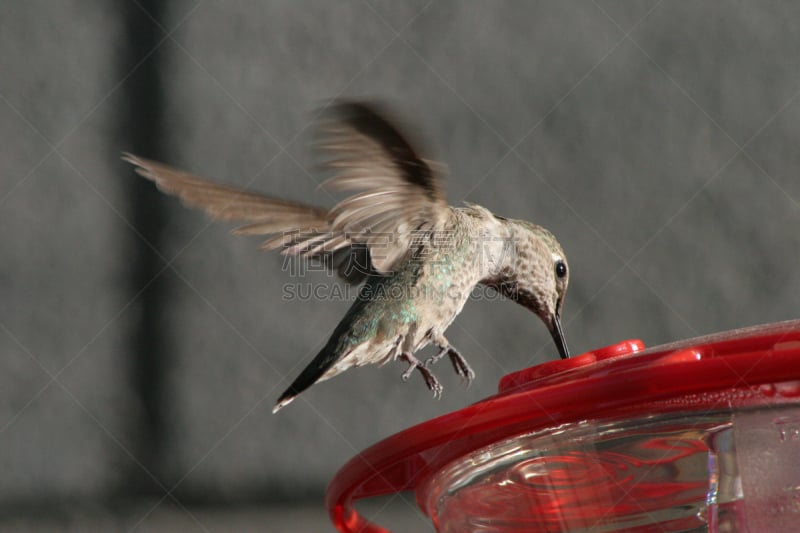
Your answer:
<point x="399" y="196"/>
<point x="263" y="215"/>
<point x="289" y="223"/>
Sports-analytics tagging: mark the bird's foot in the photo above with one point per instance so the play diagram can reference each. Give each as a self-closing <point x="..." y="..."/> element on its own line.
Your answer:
<point x="430" y="380"/>
<point x="460" y="364"/>
<point x="413" y="363"/>
<point x="436" y="358"/>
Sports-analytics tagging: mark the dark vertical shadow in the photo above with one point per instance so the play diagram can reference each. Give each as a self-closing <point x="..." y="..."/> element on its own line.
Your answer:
<point x="142" y="131"/>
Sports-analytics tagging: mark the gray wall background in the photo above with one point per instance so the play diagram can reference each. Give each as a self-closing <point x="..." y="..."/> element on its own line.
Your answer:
<point x="142" y="347"/>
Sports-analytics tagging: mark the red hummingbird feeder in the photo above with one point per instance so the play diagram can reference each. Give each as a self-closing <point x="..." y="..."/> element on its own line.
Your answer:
<point x="699" y="435"/>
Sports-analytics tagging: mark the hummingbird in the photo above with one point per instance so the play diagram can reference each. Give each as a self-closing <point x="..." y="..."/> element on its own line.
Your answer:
<point x="416" y="258"/>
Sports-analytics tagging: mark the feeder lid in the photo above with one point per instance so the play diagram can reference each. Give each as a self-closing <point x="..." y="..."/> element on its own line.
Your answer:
<point x="761" y="363"/>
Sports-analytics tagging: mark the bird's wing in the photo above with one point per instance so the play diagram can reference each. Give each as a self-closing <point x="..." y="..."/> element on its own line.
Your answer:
<point x="261" y="215"/>
<point x="398" y="197"/>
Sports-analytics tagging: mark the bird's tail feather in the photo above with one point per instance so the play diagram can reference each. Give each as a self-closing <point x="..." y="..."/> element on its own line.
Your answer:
<point x="310" y="374"/>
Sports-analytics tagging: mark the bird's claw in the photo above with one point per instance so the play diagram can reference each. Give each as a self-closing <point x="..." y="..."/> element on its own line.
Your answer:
<point x="464" y="370"/>
<point x="437" y="390"/>
<point x="461" y="367"/>
<point x="430" y="380"/>
<point x="460" y="364"/>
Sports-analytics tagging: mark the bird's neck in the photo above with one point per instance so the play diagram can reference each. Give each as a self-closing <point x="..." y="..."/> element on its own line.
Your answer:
<point x="494" y="248"/>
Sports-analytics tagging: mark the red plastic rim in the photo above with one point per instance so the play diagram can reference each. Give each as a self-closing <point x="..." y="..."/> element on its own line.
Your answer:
<point x="762" y="363"/>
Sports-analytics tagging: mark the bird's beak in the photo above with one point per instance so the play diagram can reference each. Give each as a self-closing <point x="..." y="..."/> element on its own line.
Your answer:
<point x="558" y="337"/>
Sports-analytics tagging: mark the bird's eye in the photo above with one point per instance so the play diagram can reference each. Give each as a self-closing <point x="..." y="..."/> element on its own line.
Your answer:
<point x="561" y="269"/>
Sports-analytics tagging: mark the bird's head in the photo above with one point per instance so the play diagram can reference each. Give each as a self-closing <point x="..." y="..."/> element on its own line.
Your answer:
<point x="534" y="273"/>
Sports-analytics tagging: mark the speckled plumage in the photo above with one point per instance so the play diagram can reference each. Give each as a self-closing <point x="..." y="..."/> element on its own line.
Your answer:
<point x="420" y="257"/>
